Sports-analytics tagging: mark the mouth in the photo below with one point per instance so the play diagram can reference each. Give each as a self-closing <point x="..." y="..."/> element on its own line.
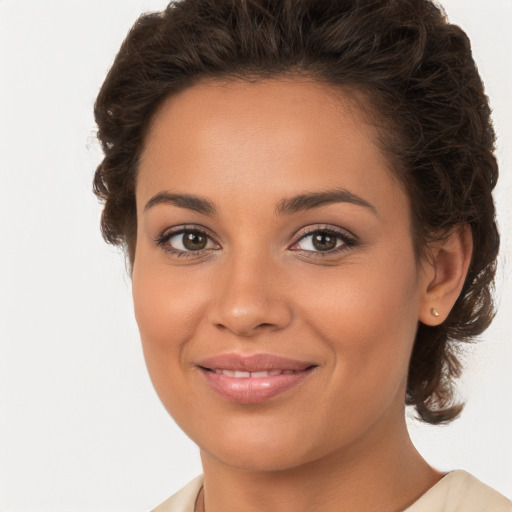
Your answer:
<point x="255" y="378"/>
<point x="247" y="375"/>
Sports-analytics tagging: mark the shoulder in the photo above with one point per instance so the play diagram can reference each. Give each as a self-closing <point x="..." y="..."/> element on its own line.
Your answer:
<point x="184" y="500"/>
<point x="459" y="491"/>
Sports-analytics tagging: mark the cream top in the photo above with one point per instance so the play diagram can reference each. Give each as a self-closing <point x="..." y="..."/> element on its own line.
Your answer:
<point x="458" y="491"/>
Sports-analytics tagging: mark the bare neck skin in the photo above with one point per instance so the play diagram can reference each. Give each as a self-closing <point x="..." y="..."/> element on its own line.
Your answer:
<point x="371" y="476"/>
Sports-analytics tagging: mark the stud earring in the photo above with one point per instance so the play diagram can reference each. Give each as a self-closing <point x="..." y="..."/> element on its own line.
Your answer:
<point x="434" y="312"/>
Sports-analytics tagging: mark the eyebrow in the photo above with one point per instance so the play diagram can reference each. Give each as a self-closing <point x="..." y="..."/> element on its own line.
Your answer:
<point x="312" y="200"/>
<point x="198" y="204"/>
<point x="299" y="203"/>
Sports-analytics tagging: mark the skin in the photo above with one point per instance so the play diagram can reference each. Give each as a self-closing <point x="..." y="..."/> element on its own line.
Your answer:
<point x="340" y="436"/>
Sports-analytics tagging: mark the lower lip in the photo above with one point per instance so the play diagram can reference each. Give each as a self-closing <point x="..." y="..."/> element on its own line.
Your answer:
<point x="253" y="390"/>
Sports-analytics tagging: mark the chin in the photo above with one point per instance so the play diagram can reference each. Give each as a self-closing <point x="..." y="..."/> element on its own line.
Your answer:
<point x="266" y="450"/>
<point x="257" y="460"/>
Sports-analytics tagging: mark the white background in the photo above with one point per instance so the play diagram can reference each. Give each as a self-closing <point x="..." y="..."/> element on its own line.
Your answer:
<point x="80" y="426"/>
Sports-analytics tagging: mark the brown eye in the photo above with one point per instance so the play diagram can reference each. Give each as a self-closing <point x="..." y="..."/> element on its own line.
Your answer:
<point x="194" y="241"/>
<point x="187" y="241"/>
<point x="323" y="241"/>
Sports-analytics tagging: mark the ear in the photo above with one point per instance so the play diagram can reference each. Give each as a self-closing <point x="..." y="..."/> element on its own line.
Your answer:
<point x="443" y="275"/>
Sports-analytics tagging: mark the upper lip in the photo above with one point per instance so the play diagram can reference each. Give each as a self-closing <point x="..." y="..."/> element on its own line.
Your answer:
<point x="253" y="362"/>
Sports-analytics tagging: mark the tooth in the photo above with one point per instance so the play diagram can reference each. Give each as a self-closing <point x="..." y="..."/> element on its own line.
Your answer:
<point x="259" y="374"/>
<point x="245" y="375"/>
<point x="242" y="375"/>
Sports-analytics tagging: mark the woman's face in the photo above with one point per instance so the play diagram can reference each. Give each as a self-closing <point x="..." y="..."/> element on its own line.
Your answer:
<point x="275" y="283"/>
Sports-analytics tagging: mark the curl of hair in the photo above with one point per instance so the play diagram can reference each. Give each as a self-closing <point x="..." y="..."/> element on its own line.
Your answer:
<point x="415" y="71"/>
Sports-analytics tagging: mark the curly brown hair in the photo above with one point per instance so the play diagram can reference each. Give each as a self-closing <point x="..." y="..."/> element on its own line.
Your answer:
<point x="417" y="75"/>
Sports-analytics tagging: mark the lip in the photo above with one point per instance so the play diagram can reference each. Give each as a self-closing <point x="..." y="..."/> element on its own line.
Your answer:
<point x="253" y="362"/>
<point x="253" y="389"/>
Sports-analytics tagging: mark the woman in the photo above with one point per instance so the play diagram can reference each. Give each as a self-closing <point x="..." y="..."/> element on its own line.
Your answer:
<point x="303" y="189"/>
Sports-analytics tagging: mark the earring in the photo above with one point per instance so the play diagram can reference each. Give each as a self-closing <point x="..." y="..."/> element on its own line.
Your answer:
<point x="434" y="312"/>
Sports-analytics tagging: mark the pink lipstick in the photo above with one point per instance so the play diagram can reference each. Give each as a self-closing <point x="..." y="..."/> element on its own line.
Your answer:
<point x="254" y="378"/>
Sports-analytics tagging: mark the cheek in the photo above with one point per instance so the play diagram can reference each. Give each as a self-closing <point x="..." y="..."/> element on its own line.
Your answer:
<point x="168" y="299"/>
<point x="364" y="311"/>
<point x="368" y="322"/>
<point x="368" y="318"/>
<point x="162" y="309"/>
<point x="168" y="309"/>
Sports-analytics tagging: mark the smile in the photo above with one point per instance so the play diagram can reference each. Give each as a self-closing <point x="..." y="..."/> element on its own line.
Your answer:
<point x="247" y="375"/>
<point x="253" y="379"/>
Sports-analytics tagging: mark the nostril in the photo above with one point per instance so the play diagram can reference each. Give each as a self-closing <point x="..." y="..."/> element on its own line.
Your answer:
<point x="254" y="318"/>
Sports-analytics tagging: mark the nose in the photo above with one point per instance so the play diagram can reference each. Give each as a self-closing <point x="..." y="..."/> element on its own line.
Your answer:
<point x="250" y="298"/>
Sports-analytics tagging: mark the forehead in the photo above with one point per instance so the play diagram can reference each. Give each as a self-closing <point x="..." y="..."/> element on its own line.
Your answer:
<point x="268" y="138"/>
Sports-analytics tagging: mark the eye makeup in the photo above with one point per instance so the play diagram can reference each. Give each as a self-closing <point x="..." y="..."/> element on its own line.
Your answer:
<point x="194" y="241"/>
<point x="324" y="241"/>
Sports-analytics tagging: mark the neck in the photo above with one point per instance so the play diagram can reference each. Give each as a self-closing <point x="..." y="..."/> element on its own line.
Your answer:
<point x="379" y="476"/>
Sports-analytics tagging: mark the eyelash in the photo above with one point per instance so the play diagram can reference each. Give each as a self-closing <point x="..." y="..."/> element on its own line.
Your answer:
<point x="348" y="241"/>
<point x="170" y="233"/>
